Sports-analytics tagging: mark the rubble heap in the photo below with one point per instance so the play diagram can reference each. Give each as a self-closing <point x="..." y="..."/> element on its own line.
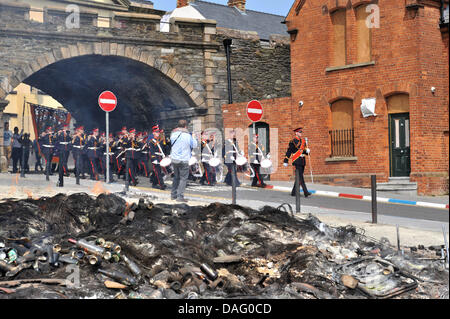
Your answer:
<point x="217" y="251"/>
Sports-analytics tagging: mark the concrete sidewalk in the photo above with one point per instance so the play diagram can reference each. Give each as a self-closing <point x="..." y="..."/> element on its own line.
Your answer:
<point x="412" y="231"/>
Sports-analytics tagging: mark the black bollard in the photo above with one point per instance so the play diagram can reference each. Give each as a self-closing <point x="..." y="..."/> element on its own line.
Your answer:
<point x="60" y="170"/>
<point x="374" y="198"/>
<point x="297" y="190"/>
<point x="48" y="167"/>
<point x="127" y="177"/>
<point x="22" y="171"/>
<point x="233" y="183"/>
<point x="77" y="168"/>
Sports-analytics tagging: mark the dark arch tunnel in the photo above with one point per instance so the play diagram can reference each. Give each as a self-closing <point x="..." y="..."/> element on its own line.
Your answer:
<point x="143" y="92"/>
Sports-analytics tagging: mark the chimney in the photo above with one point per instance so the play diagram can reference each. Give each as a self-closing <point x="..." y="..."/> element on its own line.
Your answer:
<point x="240" y="4"/>
<point x="183" y="3"/>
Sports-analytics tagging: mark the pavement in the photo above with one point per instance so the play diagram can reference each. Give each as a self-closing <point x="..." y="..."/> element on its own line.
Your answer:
<point x="413" y="231"/>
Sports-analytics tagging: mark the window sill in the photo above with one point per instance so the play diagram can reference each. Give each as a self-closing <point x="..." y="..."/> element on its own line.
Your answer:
<point x="349" y="66"/>
<point x="341" y="159"/>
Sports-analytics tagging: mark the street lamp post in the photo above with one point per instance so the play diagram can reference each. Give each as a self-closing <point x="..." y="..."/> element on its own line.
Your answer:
<point x="227" y="44"/>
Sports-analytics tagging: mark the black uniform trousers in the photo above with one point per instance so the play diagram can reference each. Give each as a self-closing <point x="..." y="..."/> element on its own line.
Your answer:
<point x="65" y="157"/>
<point x="257" y="179"/>
<point x="144" y="164"/>
<point x="48" y="155"/>
<point x="93" y="166"/>
<point x="208" y="175"/>
<point x="78" y="157"/>
<point x="228" y="177"/>
<point x="156" y="178"/>
<point x="16" y="157"/>
<point x="131" y="170"/>
<point x="301" y="169"/>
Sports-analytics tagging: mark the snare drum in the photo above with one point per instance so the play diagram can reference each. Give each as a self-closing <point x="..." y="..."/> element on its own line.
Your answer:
<point x="166" y="161"/>
<point x="214" y="162"/>
<point x="241" y="160"/>
<point x="266" y="163"/>
<point x="193" y="160"/>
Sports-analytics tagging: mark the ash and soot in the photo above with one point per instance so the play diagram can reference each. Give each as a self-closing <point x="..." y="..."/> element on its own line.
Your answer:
<point x="79" y="246"/>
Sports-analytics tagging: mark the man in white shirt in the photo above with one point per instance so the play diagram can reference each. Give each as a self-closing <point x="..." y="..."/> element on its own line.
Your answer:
<point x="182" y="144"/>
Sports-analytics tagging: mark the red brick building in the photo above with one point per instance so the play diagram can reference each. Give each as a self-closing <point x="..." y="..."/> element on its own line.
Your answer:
<point x="393" y="52"/>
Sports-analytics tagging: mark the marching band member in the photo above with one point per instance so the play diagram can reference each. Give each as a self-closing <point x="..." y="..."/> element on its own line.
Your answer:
<point x="156" y="155"/>
<point x="78" y="143"/>
<point x="144" y="154"/>
<point x="255" y="156"/>
<point x="231" y="153"/>
<point x="297" y="150"/>
<point x="92" y="148"/>
<point x="48" y="145"/>
<point x="119" y="152"/>
<point x="131" y="149"/>
<point x="206" y="155"/>
<point x="64" y="146"/>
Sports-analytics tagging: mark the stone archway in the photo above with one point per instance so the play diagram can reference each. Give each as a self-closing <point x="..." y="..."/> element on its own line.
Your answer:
<point x="105" y="49"/>
<point x="51" y="64"/>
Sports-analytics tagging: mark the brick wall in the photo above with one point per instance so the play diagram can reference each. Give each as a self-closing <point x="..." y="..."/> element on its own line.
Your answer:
<point x="409" y="55"/>
<point x="277" y="117"/>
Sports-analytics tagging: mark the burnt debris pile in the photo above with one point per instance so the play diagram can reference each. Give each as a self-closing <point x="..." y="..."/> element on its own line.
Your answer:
<point x="80" y="246"/>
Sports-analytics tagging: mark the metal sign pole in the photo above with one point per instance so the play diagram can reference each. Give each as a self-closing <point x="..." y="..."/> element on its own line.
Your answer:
<point x="107" y="148"/>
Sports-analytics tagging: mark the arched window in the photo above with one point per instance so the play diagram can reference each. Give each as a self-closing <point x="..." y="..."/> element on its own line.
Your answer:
<point x="342" y="135"/>
<point x="363" y="35"/>
<point x="338" y="20"/>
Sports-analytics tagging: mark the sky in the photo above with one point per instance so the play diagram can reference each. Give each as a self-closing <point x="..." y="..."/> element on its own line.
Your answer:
<point x="280" y="7"/>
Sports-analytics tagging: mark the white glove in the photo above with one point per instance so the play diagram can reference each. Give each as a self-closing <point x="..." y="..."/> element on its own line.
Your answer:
<point x="232" y="158"/>
<point x="285" y="164"/>
<point x="308" y="151"/>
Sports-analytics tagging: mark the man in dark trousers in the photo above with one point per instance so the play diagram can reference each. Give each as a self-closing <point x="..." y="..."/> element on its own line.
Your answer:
<point x="93" y="149"/>
<point x="16" y="148"/>
<point x="131" y="154"/>
<point x="26" y="147"/>
<point x="48" y="145"/>
<point x="156" y="155"/>
<point x="255" y="157"/>
<point x="78" y="143"/>
<point x="297" y="150"/>
<point x="231" y="151"/>
<point x="63" y="146"/>
<point x="207" y="155"/>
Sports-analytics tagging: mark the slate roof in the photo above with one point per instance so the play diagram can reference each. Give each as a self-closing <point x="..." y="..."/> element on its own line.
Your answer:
<point x="263" y="23"/>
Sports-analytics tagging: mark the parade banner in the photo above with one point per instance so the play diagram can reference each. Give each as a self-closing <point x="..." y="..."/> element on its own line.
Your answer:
<point x="43" y="117"/>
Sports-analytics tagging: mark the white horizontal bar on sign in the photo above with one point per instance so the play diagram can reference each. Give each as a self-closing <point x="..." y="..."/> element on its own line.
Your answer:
<point x="256" y="111"/>
<point x="382" y="199"/>
<point x="107" y="101"/>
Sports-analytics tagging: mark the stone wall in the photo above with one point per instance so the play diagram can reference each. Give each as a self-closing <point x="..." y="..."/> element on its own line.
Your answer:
<point x="258" y="70"/>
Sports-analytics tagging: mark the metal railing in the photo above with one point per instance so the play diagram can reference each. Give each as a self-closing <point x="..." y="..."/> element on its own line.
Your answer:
<point x="342" y="143"/>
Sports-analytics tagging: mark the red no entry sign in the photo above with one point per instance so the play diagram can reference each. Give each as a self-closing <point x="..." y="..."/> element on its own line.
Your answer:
<point x="107" y="101"/>
<point x="254" y="111"/>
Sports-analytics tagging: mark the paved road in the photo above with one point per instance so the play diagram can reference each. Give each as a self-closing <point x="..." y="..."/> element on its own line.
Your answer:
<point x="244" y="194"/>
